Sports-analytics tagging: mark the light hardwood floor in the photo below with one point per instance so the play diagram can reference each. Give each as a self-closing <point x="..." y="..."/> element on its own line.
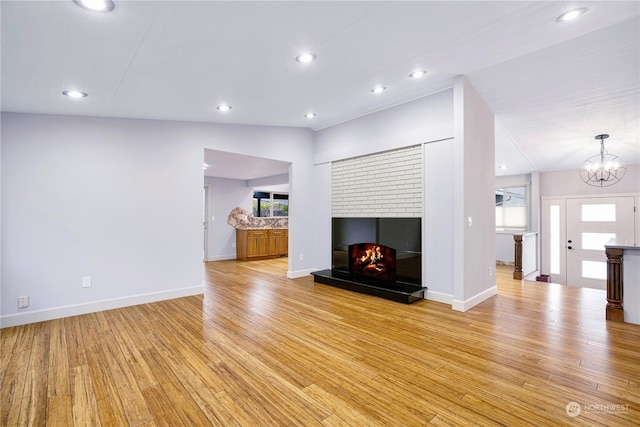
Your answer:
<point x="260" y="349"/>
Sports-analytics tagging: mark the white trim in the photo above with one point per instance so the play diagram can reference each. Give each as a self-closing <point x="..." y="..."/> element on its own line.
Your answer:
<point x="222" y="257"/>
<point x="474" y="300"/>
<point x="591" y="196"/>
<point x="439" y="297"/>
<point x="95" y="306"/>
<point x="301" y="273"/>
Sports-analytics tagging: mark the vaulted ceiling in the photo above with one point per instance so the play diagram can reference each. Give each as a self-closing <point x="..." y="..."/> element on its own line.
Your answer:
<point x="552" y="85"/>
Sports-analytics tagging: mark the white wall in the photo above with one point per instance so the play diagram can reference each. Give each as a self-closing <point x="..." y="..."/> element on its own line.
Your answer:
<point x="529" y="254"/>
<point x="437" y="235"/>
<point x="504" y="247"/>
<point x="224" y="196"/>
<point x="322" y="204"/>
<point x="90" y="197"/>
<point x="474" y="197"/>
<point x="424" y="120"/>
<point x="121" y="200"/>
<point x="270" y="183"/>
<point x="569" y="183"/>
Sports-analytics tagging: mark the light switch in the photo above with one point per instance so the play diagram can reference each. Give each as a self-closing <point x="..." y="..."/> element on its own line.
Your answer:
<point x="469" y="221"/>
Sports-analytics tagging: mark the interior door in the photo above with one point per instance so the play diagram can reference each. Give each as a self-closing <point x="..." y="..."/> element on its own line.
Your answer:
<point x="591" y="222"/>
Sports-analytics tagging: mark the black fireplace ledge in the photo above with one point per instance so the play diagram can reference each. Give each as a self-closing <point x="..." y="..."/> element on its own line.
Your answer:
<point x="396" y="291"/>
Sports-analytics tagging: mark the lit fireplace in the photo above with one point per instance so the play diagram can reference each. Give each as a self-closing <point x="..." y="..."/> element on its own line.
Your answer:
<point x="388" y="262"/>
<point x="372" y="260"/>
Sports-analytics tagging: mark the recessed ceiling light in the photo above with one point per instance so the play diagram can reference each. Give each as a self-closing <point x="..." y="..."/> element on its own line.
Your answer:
<point x="223" y="107"/>
<point x="96" y="5"/>
<point x="378" y="89"/>
<point x="572" y="14"/>
<point x="417" y="74"/>
<point x="306" y="57"/>
<point x="310" y="115"/>
<point x="503" y="167"/>
<point x="75" y="94"/>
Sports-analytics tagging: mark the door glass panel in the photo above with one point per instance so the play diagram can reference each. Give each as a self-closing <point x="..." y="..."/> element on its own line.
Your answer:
<point x="596" y="241"/>
<point x="599" y="213"/>
<point x="554" y="241"/>
<point x="594" y="270"/>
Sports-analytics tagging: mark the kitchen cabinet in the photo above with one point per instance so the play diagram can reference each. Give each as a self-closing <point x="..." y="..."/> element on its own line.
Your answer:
<point x="261" y="243"/>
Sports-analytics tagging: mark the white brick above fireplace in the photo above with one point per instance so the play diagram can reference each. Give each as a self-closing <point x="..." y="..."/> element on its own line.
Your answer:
<point x="386" y="184"/>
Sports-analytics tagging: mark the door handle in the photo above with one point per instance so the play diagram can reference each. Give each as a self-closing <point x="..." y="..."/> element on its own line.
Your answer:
<point x="569" y="241"/>
<point x="569" y="247"/>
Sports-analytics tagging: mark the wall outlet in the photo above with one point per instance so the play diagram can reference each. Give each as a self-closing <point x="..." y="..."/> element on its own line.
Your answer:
<point x="86" y="282"/>
<point x="23" y="302"/>
<point x="300" y="257"/>
<point x="490" y="271"/>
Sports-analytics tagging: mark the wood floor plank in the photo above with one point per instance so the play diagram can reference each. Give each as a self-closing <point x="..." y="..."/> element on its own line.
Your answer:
<point x="176" y="395"/>
<point x="13" y="386"/>
<point x="8" y="338"/>
<point x="131" y="343"/>
<point x="108" y="399"/>
<point x="345" y="413"/>
<point x="133" y="402"/>
<point x="83" y="398"/>
<point x="260" y="349"/>
<point x="74" y="336"/>
<point x="164" y="415"/>
<point x="34" y="401"/>
<point x="200" y="382"/>
<point x="59" y="409"/>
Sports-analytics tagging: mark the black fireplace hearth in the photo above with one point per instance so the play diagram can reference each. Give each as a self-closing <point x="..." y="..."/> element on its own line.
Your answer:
<point x="377" y="256"/>
<point x="396" y="291"/>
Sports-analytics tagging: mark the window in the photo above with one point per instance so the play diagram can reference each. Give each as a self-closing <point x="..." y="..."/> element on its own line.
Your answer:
<point x="280" y="205"/>
<point x="512" y="209"/>
<point x="270" y="204"/>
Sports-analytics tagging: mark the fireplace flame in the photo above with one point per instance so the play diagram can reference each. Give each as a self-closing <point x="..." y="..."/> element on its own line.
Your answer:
<point x="372" y="259"/>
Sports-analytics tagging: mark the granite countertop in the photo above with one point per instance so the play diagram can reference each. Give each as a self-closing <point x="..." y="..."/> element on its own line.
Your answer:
<point x="240" y="219"/>
<point x="244" y="227"/>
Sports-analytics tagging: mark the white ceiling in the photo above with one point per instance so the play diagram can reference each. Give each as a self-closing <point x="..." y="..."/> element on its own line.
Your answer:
<point x="553" y="86"/>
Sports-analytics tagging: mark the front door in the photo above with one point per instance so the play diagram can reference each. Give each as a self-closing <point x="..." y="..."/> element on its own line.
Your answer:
<point x="575" y="231"/>
<point x="591" y="222"/>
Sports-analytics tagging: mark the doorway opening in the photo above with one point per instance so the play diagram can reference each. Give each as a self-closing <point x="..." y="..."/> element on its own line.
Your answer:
<point x="230" y="181"/>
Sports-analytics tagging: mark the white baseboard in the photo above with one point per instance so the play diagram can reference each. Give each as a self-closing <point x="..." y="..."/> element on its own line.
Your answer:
<point x="92" y="307"/>
<point x="223" y="257"/>
<point x="474" y="300"/>
<point x="301" y="273"/>
<point x="439" y="297"/>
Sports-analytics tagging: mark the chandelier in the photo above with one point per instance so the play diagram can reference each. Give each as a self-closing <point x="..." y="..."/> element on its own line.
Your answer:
<point x="603" y="169"/>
